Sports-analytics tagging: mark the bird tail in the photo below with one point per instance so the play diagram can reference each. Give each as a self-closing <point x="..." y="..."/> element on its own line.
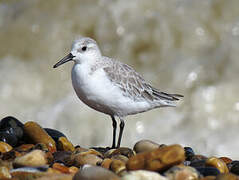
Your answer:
<point x="166" y="99"/>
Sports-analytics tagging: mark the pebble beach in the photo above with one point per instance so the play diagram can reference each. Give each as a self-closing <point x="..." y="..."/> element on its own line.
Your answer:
<point x="31" y="152"/>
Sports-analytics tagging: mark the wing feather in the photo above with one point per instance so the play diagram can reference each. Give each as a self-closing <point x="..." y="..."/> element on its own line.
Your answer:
<point x="133" y="85"/>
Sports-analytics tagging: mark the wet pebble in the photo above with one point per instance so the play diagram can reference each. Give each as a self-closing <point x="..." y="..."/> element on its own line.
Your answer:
<point x="4" y="172"/>
<point x="118" y="166"/>
<point x="208" y="171"/>
<point x="217" y="163"/>
<point x="120" y="157"/>
<point x="157" y="160"/>
<point x="56" y="176"/>
<point x="8" y="138"/>
<point x="63" y="144"/>
<point x="182" y="172"/>
<point x="11" y="130"/>
<point x="189" y="153"/>
<point x="106" y="163"/>
<point x="55" y="134"/>
<point x="33" y="158"/>
<point x="80" y="159"/>
<point x="38" y="135"/>
<point x="145" y="146"/>
<point x="227" y="176"/>
<point x="4" y="147"/>
<point x="61" y="168"/>
<point x="143" y="175"/>
<point x="226" y="159"/>
<point x="89" y="172"/>
<point x="198" y="163"/>
<point x="234" y="167"/>
<point x="62" y="157"/>
<point x="127" y="152"/>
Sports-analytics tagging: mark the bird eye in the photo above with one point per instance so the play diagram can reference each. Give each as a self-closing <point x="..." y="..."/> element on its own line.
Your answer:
<point x="84" y="48"/>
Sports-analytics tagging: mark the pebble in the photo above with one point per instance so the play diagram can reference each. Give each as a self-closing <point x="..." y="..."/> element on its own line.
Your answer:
<point x="226" y="159"/>
<point x="208" y="178"/>
<point x="11" y="130"/>
<point x="198" y="163"/>
<point x="234" y="167"/>
<point x="8" y="138"/>
<point x="38" y="135"/>
<point x="120" y="157"/>
<point x="55" y="134"/>
<point x="120" y="151"/>
<point x="189" y="153"/>
<point x="4" y="172"/>
<point x="208" y="171"/>
<point x="106" y="163"/>
<point x="227" y="176"/>
<point x="56" y="177"/>
<point x="89" y="172"/>
<point x="21" y="175"/>
<point x="62" y="157"/>
<point x="217" y="163"/>
<point x="63" y="144"/>
<point x="182" y="173"/>
<point x="25" y="147"/>
<point x="33" y="158"/>
<point x="145" y="146"/>
<point x="4" y="147"/>
<point x="117" y="166"/>
<point x="80" y="159"/>
<point x="143" y="175"/>
<point x="61" y="168"/>
<point x="157" y="160"/>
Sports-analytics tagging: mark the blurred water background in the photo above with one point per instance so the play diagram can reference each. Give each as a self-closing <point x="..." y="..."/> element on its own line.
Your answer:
<point x="188" y="47"/>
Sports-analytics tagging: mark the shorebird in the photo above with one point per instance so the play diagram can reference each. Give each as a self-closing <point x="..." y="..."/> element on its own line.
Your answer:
<point x="110" y="86"/>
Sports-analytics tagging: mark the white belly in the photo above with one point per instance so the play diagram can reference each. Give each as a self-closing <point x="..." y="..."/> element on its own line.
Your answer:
<point x="99" y="93"/>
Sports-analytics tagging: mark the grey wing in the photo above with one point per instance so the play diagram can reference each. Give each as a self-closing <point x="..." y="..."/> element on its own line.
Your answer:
<point x="134" y="86"/>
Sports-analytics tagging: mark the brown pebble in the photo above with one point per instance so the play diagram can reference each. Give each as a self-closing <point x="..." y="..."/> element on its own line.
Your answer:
<point x="25" y="147"/>
<point x="64" y="144"/>
<point x="56" y="177"/>
<point x="38" y="135"/>
<point x="53" y="171"/>
<point x="61" y="168"/>
<point x="159" y="159"/>
<point x="117" y="166"/>
<point x="80" y="149"/>
<point x="89" y="172"/>
<point x="106" y="163"/>
<point x="120" y="157"/>
<point x="90" y="151"/>
<point x="33" y="158"/>
<point x="226" y="159"/>
<point x="24" y="175"/>
<point x="4" y="172"/>
<point x="145" y="146"/>
<point x="120" y="151"/>
<point x="217" y="163"/>
<point x="81" y="159"/>
<point x="73" y="169"/>
<point x="227" y="176"/>
<point x="5" y="147"/>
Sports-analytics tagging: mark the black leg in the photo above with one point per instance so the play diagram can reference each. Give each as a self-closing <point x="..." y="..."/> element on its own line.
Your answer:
<point x="114" y="124"/>
<point x="121" y="132"/>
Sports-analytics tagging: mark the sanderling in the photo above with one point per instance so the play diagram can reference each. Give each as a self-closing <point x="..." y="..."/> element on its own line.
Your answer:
<point x="110" y="86"/>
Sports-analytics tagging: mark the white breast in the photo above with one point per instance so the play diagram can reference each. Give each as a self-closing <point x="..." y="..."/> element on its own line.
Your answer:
<point x="98" y="92"/>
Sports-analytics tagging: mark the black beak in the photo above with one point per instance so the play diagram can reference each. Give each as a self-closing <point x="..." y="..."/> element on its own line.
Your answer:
<point x="67" y="58"/>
